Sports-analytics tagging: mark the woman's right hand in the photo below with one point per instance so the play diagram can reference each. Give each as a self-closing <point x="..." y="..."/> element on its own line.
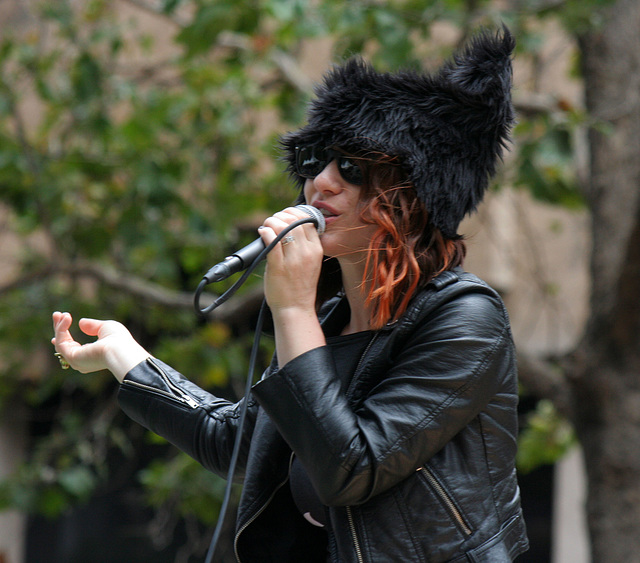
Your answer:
<point x="291" y="282"/>
<point x="291" y="276"/>
<point x="115" y="349"/>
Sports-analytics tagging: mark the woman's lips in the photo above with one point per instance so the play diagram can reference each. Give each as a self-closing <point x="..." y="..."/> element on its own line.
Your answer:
<point x="329" y="219"/>
<point x="330" y="214"/>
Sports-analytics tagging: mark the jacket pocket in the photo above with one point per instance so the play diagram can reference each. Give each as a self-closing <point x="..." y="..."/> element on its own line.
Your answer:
<point x="447" y="500"/>
<point x="503" y="547"/>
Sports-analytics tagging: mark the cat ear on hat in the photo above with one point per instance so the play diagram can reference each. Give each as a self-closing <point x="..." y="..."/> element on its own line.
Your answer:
<point x="479" y="79"/>
<point x="471" y="103"/>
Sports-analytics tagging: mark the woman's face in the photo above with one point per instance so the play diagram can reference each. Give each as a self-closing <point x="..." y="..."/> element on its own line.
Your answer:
<point x="346" y="236"/>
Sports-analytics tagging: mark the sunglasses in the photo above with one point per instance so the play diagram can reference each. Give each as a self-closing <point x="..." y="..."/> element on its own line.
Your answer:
<point x="310" y="161"/>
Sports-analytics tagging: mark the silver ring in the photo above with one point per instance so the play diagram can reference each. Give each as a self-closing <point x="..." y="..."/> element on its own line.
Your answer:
<point x="286" y="240"/>
<point x="63" y="363"/>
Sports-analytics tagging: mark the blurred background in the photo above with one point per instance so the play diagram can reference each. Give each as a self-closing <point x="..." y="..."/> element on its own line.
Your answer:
<point x="138" y="146"/>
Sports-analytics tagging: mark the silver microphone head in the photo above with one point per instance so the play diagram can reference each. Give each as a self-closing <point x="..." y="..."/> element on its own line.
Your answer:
<point x="315" y="214"/>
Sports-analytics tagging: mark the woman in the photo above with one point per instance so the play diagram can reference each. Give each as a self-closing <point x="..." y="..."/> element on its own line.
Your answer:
<point x="385" y="428"/>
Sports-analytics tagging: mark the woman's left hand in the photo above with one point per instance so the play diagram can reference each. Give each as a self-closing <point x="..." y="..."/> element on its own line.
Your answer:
<point x="293" y="266"/>
<point x="115" y="349"/>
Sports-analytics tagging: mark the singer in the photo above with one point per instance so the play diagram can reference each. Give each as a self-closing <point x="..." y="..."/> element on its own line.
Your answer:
<point x="385" y="428"/>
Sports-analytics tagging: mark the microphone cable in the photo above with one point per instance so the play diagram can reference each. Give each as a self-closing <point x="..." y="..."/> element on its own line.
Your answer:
<point x="236" y="446"/>
<point x="252" y="363"/>
<point x="231" y="291"/>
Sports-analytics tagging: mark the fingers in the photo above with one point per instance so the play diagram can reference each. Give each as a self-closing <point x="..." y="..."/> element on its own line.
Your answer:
<point x="63" y="340"/>
<point x="279" y="221"/>
<point x="61" y="320"/>
<point x="90" y="327"/>
<point x="61" y="325"/>
<point x="309" y="229"/>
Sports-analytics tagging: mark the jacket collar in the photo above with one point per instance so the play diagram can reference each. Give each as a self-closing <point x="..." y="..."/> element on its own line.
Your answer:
<point x="335" y="313"/>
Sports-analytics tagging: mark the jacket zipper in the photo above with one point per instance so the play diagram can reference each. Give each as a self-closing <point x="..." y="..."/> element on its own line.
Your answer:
<point x="444" y="496"/>
<point x="258" y="512"/>
<point x="178" y="394"/>
<point x="354" y="535"/>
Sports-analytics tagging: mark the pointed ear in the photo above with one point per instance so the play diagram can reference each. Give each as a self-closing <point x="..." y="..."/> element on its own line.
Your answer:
<point x="481" y="75"/>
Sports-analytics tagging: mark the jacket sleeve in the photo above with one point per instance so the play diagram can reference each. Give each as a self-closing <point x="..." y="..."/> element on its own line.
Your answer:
<point x="197" y="422"/>
<point x="445" y="371"/>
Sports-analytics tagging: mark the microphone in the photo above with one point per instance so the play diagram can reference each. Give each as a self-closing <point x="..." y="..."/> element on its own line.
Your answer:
<point x="244" y="257"/>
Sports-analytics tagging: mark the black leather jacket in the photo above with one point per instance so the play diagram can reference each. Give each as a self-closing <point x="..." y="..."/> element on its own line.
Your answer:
<point x="413" y="455"/>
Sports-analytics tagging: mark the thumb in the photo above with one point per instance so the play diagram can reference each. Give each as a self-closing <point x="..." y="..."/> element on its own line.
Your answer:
<point x="91" y="327"/>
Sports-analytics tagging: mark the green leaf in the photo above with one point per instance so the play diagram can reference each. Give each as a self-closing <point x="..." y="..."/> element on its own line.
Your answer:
<point x="86" y="77"/>
<point x="78" y="481"/>
<point x="545" y="162"/>
<point x="169" y="6"/>
<point x="212" y="18"/>
<point x="545" y="439"/>
<point x="52" y="502"/>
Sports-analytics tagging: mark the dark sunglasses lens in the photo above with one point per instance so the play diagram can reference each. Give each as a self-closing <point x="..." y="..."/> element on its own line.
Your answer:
<point x="310" y="161"/>
<point x="350" y="170"/>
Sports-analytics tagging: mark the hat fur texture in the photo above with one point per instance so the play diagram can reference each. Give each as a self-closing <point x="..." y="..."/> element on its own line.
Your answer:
<point x="448" y="129"/>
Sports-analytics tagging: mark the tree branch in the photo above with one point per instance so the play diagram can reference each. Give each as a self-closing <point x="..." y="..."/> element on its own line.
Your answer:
<point x="286" y="64"/>
<point x="291" y="70"/>
<point x="155" y="9"/>
<point x="547" y="379"/>
<point x="232" y="312"/>
<point x="533" y="103"/>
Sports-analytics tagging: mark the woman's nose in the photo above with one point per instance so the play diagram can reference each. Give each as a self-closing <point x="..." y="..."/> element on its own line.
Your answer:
<point x="329" y="180"/>
<point x="327" y="183"/>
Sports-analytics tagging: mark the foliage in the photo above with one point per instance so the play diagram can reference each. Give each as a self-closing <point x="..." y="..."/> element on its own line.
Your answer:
<point x="546" y="438"/>
<point x="545" y="160"/>
<point x="58" y="475"/>
<point x="143" y="153"/>
<point x="111" y="158"/>
<point x="165" y="483"/>
<point x="577" y="16"/>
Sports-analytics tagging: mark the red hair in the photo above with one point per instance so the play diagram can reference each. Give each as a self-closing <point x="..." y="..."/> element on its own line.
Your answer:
<point x="405" y="252"/>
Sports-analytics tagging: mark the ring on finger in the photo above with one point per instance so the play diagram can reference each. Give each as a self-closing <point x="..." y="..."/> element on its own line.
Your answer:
<point x="286" y="240"/>
<point x="63" y="363"/>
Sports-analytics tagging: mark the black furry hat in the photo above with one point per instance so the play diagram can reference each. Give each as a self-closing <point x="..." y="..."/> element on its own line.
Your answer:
<point x="448" y="129"/>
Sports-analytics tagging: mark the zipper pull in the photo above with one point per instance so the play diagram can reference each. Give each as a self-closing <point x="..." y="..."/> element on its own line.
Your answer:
<point x="177" y="392"/>
<point x="190" y="401"/>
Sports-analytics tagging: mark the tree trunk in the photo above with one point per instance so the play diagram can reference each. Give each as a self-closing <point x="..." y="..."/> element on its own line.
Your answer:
<point x="606" y="378"/>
